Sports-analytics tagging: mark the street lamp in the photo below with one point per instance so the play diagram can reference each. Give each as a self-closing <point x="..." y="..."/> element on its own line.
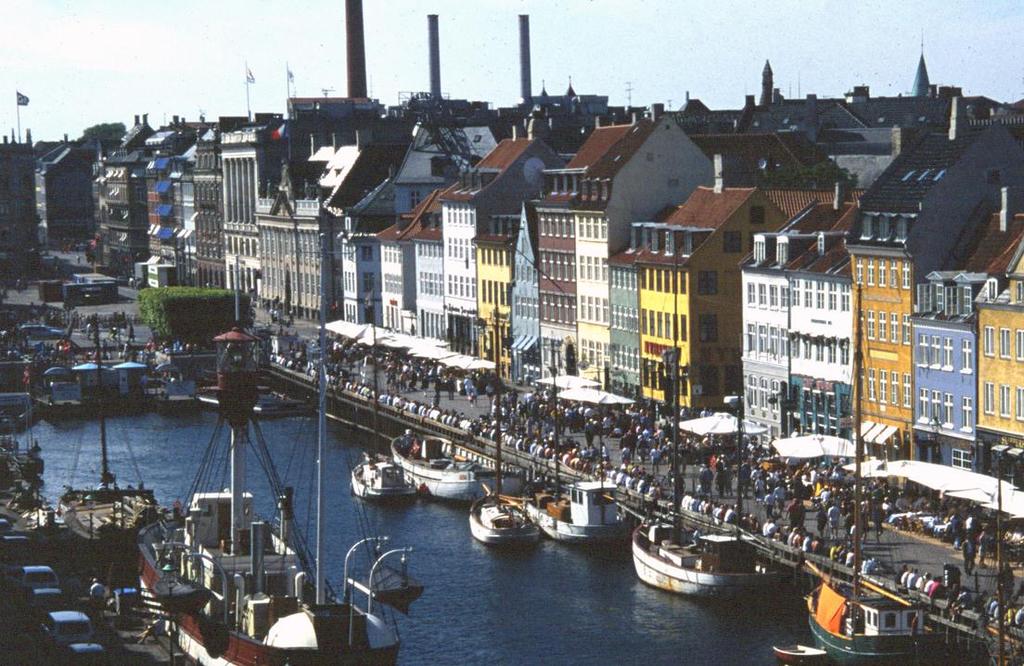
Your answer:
<point x="735" y="402"/>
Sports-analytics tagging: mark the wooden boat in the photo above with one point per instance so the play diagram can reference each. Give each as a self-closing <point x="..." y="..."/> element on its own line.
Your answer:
<point x="716" y="565"/>
<point x="589" y="515"/>
<point x="799" y="655"/>
<point x="869" y="629"/>
<point x="500" y="521"/>
<point x="381" y="480"/>
<point x="436" y="474"/>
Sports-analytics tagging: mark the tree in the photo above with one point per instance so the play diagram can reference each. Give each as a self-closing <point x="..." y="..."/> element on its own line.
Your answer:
<point x="105" y="132"/>
<point x="190" y="314"/>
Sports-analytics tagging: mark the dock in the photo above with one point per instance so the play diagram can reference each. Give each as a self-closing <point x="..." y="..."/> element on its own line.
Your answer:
<point x="381" y="423"/>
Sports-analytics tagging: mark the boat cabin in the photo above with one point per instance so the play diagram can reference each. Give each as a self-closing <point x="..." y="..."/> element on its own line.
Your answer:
<point x="887" y="617"/>
<point x="593" y="503"/>
<point x="209" y="520"/>
<point x="725" y="554"/>
<point x="383" y="476"/>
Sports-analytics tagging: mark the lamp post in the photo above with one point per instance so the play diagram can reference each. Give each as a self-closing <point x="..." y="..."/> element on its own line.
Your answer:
<point x="671" y="359"/>
<point x="999" y="451"/>
<point x="736" y="403"/>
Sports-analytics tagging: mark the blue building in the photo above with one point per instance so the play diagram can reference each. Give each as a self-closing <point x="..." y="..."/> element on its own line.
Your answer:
<point x="945" y="368"/>
<point x="525" y="301"/>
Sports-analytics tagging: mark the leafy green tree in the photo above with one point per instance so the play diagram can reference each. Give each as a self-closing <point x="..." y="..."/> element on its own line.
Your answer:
<point x="190" y="314"/>
<point x="105" y="132"/>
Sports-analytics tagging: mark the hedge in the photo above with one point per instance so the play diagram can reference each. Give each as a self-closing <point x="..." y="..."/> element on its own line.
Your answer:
<point x="190" y="314"/>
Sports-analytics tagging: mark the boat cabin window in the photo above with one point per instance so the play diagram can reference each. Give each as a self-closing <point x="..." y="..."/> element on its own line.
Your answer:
<point x="871" y="618"/>
<point x="889" y="620"/>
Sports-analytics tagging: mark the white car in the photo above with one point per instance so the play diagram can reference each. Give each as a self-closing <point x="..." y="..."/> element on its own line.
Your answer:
<point x="33" y="577"/>
<point x="65" y="628"/>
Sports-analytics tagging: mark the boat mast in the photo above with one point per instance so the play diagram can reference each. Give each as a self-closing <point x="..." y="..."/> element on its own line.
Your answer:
<point x="554" y="384"/>
<point x="858" y="372"/>
<point x="321" y="587"/>
<point x="497" y="397"/>
<point x="106" y="477"/>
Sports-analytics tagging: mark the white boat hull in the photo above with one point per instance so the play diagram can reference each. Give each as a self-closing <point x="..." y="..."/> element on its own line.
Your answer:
<point x="368" y="492"/>
<point x="658" y="572"/>
<point x="521" y="535"/>
<point x="560" y="530"/>
<point x="451" y="485"/>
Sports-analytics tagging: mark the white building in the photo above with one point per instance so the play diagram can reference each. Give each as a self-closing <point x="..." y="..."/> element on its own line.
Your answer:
<point x="428" y="249"/>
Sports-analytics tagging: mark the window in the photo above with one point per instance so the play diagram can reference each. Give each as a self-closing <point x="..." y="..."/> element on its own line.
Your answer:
<point x="845" y="299"/>
<point x="871" y="384"/>
<point x="762" y="295"/>
<point x="860" y="272"/>
<point x="895" y="388"/>
<point x="922" y="349"/>
<point x="906" y="329"/>
<point x="1020" y="344"/>
<point x="707" y="282"/>
<point x="773" y="297"/>
<point x="871" y="272"/>
<point x="967" y="412"/>
<point x="1019" y="412"/>
<point x="894" y="326"/>
<point x="732" y="242"/>
<point x="922" y="407"/>
<point x="893" y="273"/>
<point x="990" y="341"/>
<point x="751" y="338"/>
<point x="948" y="416"/>
<point x="906" y="390"/>
<point x="871" y="324"/>
<point x="947" y="356"/>
<point x="990" y="398"/>
<point x="708" y="328"/>
<point x="751" y="293"/>
<point x="883" y="334"/>
<point x="906" y="275"/>
<point x="1004" y="343"/>
<point x="966" y="356"/>
<point x="963" y="459"/>
<point x="881" y="272"/>
<point x="1004" y="400"/>
<point x="833" y="302"/>
<point x="883" y="386"/>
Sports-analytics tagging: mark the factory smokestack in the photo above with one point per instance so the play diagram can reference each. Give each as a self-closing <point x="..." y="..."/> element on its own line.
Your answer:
<point x="356" y="48"/>
<point x="524" y="58"/>
<point x="434" y="42"/>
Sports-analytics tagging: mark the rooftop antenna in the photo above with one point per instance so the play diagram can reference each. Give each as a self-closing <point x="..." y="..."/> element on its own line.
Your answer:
<point x="326" y="91"/>
<point x="629" y="93"/>
<point x="799" y="92"/>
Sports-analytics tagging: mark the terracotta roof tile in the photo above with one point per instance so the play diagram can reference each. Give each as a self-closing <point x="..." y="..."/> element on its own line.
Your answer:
<point x="994" y="249"/>
<point x="597" y="144"/>
<point x="501" y="158"/>
<point x="708" y="209"/>
<point x="429" y="206"/>
<point x="792" y="202"/>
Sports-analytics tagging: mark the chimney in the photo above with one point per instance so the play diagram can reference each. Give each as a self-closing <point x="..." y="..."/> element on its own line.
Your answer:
<point x="136" y="119"/>
<point x="776" y="96"/>
<point x="1011" y="205"/>
<point x="634" y="236"/>
<point x="515" y="131"/>
<point x="719" y="179"/>
<point x="657" y="111"/>
<point x="748" y="102"/>
<point x="634" y="118"/>
<point x="145" y="119"/>
<point x="312" y="144"/>
<point x="355" y="48"/>
<point x="65" y="137"/>
<point x="28" y="137"/>
<point x="811" y="109"/>
<point x="957" y="118"/>
<point x="597" y="122"/>
<point x="362" y="138"/>
<point x="434" y="46"/>
<point x="174" y="120"/>
<point x="897" y="141"/>
<point x="839" y="196"/>
<point x="524" y="59"/>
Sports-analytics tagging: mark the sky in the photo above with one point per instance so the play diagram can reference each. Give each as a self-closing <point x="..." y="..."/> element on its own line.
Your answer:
<point x="83" y="62"/>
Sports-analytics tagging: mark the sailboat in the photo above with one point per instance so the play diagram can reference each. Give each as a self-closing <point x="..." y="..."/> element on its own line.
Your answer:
<point x="262" y="609"/>
<point x="495" y="520"/>
<point x="862" y="623"/>
<point x="107" y="512"/>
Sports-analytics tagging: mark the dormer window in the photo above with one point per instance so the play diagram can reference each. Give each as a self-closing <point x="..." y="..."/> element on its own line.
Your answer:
<point x="901" y="229"/>
<point x="966" y="300"/>
<point x="940" y="301"/>
<point x="759" y="249"/>
<point x="821" y="244"/>
<point x="991" y="289"/>
<point x="866" y="228"/>
<point x="1019" y="289"/>
<point x="782" y="251"/>
<point x="884" y="228"/>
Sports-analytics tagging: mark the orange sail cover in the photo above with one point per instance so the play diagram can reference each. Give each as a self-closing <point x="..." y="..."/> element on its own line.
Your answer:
<point x="829" y="614"/>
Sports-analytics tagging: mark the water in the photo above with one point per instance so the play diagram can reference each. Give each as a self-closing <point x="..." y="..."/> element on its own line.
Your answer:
<point x="552" y="605"/>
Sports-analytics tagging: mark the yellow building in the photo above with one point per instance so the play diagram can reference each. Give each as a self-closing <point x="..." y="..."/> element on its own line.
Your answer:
<point x="688" y="265"/>
<point x="494" y="263"/>
<point x="1001" y="360"/>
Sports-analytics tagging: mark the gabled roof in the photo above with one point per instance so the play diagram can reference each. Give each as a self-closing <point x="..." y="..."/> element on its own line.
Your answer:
<point x="498" y="160"/>
<point x="993" y="250"/>
<point x="792" y="202"/>
<point x="420" y="228"/>
<point x="375" y="163"/>
<point x="905" y="182"/>
<point x="607" y="149"/>
<point x="597" y="144"/>
<point x="707" y="209"/>
<point x="784" y="149"/>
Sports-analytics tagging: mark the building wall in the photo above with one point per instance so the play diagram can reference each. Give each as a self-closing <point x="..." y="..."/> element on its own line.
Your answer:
<point x="624" y="347"/>
<point x="494" y="278"/>
<point x="766" y="323"/>
<point x="661" y="299"/>
<point x="883" y="355"/>
<point x="391" y="286"/>
<point x="592" y="297"/>
<point x="557" y="269"/>
<point x="18" y="234"/>
<point x="459" y="221"/>
<point x="945" y="400"/>
<point x="430" y="287"/>
<point x="1000" y="410"/>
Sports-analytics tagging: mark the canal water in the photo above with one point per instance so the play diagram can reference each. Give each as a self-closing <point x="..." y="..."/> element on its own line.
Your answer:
<point x="551" y="605"/>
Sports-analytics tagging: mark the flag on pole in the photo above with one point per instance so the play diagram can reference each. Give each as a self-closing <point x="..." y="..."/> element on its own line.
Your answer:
<point x="22" y="99"/>
<point x="280" y="133"/>
<point x="249" y="78"/>
<point x="291" y="77"/>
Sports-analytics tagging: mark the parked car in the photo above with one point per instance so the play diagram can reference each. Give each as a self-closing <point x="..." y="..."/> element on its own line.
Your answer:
<point x="32" y="577"/>
<point x="87" y="653"/>
<point x="64" y="628"/>
<point x="44" y="600"/>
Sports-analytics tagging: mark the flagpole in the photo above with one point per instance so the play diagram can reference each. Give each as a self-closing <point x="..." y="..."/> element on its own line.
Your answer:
<point x="17" y="110"/>
<point x="248" y="108"/>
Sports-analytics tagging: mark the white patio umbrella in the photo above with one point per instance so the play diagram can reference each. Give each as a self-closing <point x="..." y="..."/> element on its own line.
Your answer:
<point x="459" y="361"/>
<point x="721" y="423"/>
<point x="480" y="364"/>
<point x="593" y="397"/>
<point x="568" y="382"/>
<point x="814" y="446"/>
<point x="431" y="352"/>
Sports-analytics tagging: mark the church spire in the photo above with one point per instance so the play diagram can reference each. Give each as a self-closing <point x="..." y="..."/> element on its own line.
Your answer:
<point x="767" y="84"/>
<point x="921" y="82"/>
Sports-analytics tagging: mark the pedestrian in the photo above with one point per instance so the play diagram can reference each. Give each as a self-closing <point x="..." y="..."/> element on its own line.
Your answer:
<point x="969" y="551"/>
<point x="822" y="519"/>
<point x="131" y="332"/>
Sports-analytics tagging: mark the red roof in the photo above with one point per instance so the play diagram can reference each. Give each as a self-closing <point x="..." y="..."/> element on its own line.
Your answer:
<point x="597" y="144"/>
<point x="504" y="154"/>
<point x="431" y="205"/>
<point x="708" y="209"/>
<point x="994" y="249"/>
